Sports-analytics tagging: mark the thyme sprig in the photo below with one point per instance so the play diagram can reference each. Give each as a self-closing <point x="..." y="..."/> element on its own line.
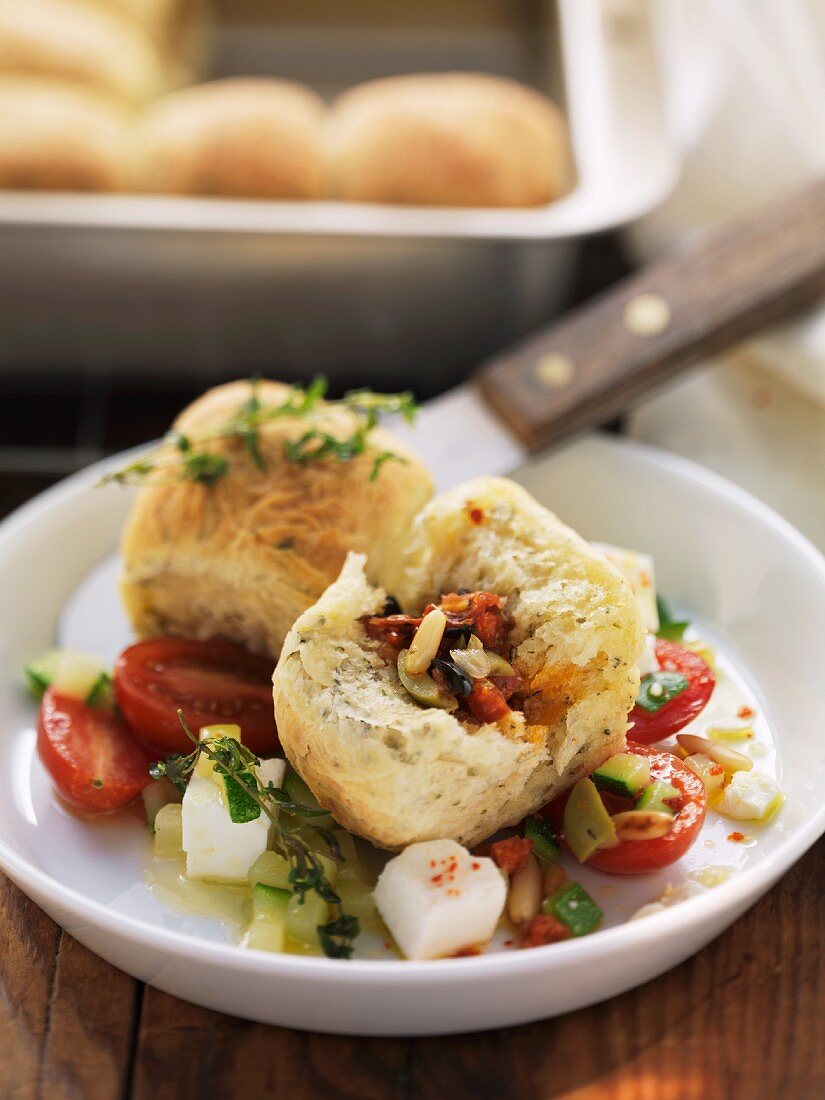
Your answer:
<point x="188" y="458"/>
<point x="307" y="873"/>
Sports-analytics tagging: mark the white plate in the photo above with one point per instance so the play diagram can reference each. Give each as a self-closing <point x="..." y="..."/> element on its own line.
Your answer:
<point x="720" y="554"/>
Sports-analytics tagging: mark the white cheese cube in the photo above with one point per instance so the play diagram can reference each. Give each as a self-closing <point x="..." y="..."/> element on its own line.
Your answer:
<point x="648" y="661"/>
<point x="217" y="847"/>
<point x="750" y="796"/>
<point x="638" y="570"/>
<point x="437" y="898"/>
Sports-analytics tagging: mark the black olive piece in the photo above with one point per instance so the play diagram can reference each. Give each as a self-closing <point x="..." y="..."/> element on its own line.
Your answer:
<point x="392" y="606"/>
<point x="458" y="632"/>
<point x="458" y="680"/>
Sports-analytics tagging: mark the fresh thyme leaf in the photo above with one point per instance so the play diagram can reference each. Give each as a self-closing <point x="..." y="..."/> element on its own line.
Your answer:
<point x="185" y="458"/>
<point x="307" y="873"/>
<point x="204" y="467"/>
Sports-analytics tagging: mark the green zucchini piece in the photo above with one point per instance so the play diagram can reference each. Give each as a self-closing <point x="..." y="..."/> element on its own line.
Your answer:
<point x="623" y="774"/>
<point x="267" y="930"/>
<point x="156" y="795"/>
<point x="544" y="838"/>
<point x="423" y="689"/>
<point x="654" y="797"/>
<point x="303" y="918"/>
<point x="78" y="675"/>
<point x="573" y="906"/>
<point x="299" y="793"/>
<point x="270" y="869"/>
<point x="587" y="824"/>
<point x="101" y="693"/>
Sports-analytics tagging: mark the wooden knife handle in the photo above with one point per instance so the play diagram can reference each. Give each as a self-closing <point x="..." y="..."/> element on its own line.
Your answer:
<point x="599" y="360"/>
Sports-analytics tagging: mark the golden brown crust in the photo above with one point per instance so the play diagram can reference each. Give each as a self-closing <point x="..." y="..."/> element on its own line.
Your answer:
<point x="60" y="138"/>
<point x="84" y="44"/>
<point x="241" y="559"/>
<point x="247" y="138"/>
<point x="449" y="139"/>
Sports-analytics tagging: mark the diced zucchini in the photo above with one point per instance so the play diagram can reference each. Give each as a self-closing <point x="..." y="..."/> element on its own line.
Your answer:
<point x="573" y="906"/>
<point x="624" y="774"/>
<point x="729" y="733"/>
<point x="169" y="831"/>
<point x="270" y="869"/>
<point x="156" y="795"/>
<point x="358" y="900"/>
<point x="655" y="797"/>
<point x="267" y="930"/>
<point x="301" y="795"/>
<point x="304" y="917"/>
<point x="79" y="675"/>
<point x="545" y="841"/>
<point x="711" y="773"/>
<point x="205" y="766"/>
<point x="587" y="824"/>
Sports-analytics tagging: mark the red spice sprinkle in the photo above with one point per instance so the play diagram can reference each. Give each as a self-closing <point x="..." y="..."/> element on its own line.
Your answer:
<point x="737" y="837"/>
<point x="475" y="866"/>
<point x="453" y="893"/>
<point x="476" y="515"/>
<point x="508" y="943"/>
<point x="745" y="712"/>
<point x="467" y="952"/>
<point x="432" y="863"/>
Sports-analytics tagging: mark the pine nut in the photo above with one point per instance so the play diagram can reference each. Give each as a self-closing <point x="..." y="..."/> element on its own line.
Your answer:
<point x="554" y="879"/>
<point x="424" y="645"/>
<point x="524" y="898"/>
<point x="731" y="760"/>
<point x="474" y="662"/>
<point x="642" y="824"/>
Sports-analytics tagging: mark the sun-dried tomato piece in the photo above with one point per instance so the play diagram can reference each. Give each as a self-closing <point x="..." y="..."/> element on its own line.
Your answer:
<point x="543" y="930"/>
<point x="511" y="854"/>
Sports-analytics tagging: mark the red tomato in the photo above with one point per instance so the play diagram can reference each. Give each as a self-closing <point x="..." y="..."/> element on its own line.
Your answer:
<point x="89" y="753"/>
<point x="674" y="715"/>
<point x="639" y="857"/>
<point x="211" y="682"/>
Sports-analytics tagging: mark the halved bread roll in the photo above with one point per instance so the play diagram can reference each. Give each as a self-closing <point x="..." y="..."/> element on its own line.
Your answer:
<point x="395" y="772"/>
<point x="448" y="139"/>
<point x="76" y="42"/>
<point x="244" y="137"/>
<point x="242" y="558"/>
<point x="57" y="137"/>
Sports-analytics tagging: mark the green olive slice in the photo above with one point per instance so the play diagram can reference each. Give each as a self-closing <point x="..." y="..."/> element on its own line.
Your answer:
<point x="423" y="689"/>
<point x="498" y="666"/>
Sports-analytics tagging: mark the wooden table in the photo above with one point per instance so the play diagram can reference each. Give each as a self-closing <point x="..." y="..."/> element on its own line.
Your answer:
<point x="742" y="1019"/>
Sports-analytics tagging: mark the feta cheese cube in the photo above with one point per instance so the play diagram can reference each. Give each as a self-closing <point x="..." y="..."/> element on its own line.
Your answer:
<point x="750" y="796"/>
<point x="437" y="898"/>
<point x="637" y="568"/>
<point x="217" y="847"/>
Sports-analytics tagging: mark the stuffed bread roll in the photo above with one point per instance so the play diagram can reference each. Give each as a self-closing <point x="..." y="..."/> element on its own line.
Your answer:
<point x="527" y="689"/>
<point x="241" y="558"/>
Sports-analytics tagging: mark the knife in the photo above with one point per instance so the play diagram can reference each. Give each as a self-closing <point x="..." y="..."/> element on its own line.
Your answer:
<point x="599" y="360"/>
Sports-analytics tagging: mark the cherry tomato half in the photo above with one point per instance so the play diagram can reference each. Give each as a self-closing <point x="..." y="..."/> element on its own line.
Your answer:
<point x="674" y="715"/>
<point x="640" y="857"/>
<point x="89" y="753"/>
<point x="211" y="682"/>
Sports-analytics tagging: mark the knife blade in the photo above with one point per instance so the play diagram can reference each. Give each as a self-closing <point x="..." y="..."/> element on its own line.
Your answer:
<point x="598" y="361"/>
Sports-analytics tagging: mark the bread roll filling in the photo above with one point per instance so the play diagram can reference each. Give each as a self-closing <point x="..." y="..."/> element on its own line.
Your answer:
<point x="471" y="666"/>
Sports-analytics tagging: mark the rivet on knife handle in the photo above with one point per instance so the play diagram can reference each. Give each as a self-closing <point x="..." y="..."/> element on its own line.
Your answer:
<point x="725" y="285"/>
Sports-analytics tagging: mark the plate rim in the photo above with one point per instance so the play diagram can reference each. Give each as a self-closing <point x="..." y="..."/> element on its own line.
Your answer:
<point x="734" y="895"/>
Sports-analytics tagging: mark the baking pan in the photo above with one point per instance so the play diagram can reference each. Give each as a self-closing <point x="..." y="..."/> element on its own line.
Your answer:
<point x="395" y="296"/>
